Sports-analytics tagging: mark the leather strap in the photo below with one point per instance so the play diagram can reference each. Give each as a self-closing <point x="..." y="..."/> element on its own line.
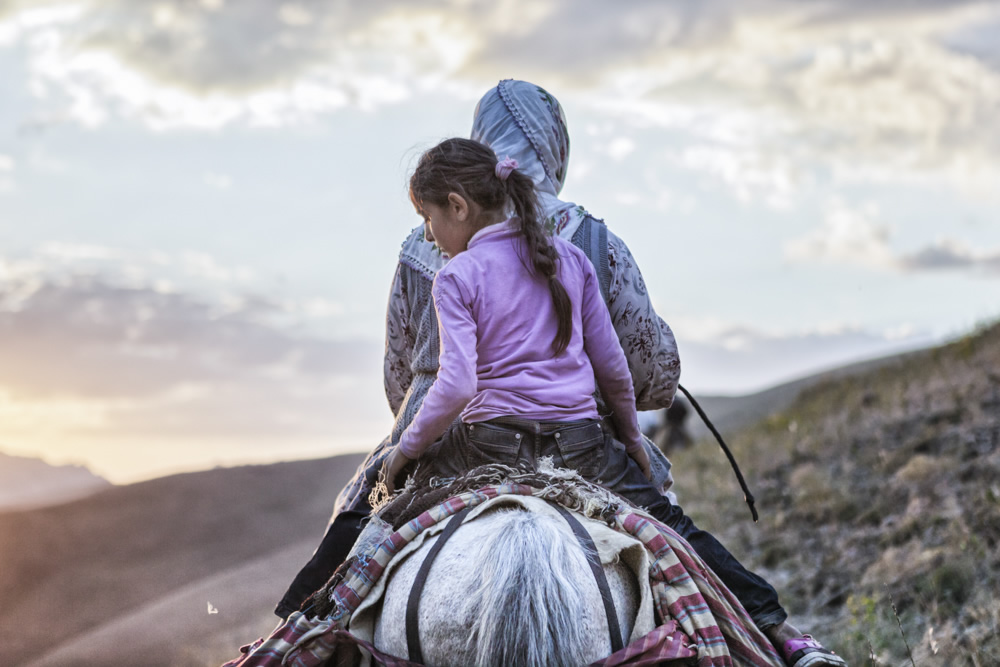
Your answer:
<point x="590" y="550"/>
<point x="413" y="603"/>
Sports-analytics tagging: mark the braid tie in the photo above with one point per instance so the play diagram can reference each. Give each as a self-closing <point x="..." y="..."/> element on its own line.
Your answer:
<point x="505" y="167"/>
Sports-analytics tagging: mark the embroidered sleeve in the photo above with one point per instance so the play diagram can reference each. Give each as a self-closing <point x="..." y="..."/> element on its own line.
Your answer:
<point x="610" y="366"/>
<point x="399" y="343"/>
<point x="648" y="342"/>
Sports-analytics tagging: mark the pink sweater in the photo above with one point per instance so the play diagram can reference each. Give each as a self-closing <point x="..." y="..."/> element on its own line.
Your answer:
<point x="497" y="323"/>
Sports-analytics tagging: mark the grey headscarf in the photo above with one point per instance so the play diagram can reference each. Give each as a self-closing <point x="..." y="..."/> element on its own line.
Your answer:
<point x="521" y="120"/>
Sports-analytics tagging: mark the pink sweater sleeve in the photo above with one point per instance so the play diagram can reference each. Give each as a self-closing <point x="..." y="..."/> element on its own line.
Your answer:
<point x="608" y="359"/>
<point x="455" y="384"/>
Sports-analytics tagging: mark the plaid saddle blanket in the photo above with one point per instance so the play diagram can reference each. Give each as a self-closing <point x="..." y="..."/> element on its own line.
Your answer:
<point x="700" y="621"/>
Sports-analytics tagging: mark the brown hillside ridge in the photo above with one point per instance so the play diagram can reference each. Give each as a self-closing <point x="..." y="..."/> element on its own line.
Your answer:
<point x="879" y="497"/>
<point x="125" y="576"/>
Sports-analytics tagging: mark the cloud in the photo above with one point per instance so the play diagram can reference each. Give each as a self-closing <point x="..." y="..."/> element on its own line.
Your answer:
<point x="749" y="174"/>
<point x="110" y="356"/>
<point x="781" y="92"/>
<point x="854" y="235"/>
<point x="620" y="148"/>
<point x="188" y="273"/>
<point x="60" y="260"/>
<point x="6" y="170"/>
<point x="768" y="93"/>
<point x="109" y="340"/>
<point x="886" y="107"/>
<point x="86" y="337"/>
<point x="209" y="64"/>
<point x="950" y="254"/>
<point x="217" y="181"/>
<point x="848" y="235"/>
<point x="114" y="359"/>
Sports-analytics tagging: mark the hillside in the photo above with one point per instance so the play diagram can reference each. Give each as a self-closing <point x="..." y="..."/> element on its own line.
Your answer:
<point x="125" y="576"/>
<point x="875" y="490"/>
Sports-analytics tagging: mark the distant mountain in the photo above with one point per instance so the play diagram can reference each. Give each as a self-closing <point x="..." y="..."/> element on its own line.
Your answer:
<point x="732" y="413"/>
<point x="27" y="482"/>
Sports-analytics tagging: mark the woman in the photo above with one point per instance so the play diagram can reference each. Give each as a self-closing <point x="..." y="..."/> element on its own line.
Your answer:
<point x="520" y="120"/>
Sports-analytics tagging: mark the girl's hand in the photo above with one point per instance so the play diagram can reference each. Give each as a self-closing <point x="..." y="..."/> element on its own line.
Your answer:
<point x="641" y="459"/>
<point x="394" y="466"/>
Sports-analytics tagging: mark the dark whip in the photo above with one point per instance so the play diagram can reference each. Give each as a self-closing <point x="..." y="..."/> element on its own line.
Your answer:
<point x="729" y="455"/>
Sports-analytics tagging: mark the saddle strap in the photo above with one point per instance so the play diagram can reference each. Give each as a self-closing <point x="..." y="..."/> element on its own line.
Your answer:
<point x="413" y="602"/>
<point x="590" y="550"/>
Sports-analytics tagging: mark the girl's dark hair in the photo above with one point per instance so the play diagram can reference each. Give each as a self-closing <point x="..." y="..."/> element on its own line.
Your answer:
<point x="468" y="168"/>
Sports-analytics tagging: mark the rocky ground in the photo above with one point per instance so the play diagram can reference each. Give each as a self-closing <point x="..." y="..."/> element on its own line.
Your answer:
<point x="879" y="497"/>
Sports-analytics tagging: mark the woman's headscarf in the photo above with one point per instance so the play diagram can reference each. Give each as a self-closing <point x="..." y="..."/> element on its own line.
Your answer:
<point x="521" y="120"/>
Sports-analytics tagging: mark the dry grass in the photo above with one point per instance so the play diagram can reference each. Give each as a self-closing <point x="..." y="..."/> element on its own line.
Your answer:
<point x="883" y="484"/>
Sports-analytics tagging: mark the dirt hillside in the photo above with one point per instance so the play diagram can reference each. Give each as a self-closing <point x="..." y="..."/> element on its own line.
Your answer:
<point x="125" y="576"/>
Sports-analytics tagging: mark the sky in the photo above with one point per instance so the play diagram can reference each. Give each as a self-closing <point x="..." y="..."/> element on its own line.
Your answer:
<point x="202" y="202"/>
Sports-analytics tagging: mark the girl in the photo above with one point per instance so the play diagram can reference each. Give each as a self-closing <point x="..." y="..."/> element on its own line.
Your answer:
<point x="524" y="333"/>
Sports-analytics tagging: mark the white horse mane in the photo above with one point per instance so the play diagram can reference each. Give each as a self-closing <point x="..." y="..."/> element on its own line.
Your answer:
<point x="509" y="592"/>
<point x="514" y="587"/>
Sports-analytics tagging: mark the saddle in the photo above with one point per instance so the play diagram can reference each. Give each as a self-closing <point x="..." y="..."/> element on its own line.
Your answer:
<point x="558" y="490"/>
<point x="695" y="614"/>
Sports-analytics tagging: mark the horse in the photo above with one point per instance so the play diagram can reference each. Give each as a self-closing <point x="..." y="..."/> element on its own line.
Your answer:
<point x="502" y="567"/>
<point x="513" y="586"/>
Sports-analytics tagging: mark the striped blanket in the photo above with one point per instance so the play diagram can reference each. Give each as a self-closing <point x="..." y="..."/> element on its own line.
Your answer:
<point x="701" y="622"/>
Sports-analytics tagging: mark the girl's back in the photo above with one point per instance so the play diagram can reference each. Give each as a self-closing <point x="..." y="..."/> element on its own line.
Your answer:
<point x="488" y="291"/>
<point x="515" y="341"/>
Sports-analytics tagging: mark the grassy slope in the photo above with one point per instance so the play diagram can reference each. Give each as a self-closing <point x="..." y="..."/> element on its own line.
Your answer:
<point x="876" y="489"/>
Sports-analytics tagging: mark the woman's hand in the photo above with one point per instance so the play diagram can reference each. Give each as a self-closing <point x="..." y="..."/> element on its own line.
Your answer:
<point x="394" y="466"/>
<point x="641" y="459"/>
